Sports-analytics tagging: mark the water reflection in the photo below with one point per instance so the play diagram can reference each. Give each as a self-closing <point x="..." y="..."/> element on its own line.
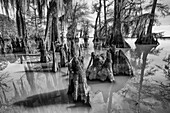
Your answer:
<point x="151" y="94"/>
<point x="41" y="91"/>
<point x="30" y="76"/>
<point x="142" y="50"/>
<point x="50" y="88"/>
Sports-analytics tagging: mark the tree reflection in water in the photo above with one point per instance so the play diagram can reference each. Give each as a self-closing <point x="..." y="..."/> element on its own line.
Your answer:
<point x="152" y="94"/>
<point x="145" y="93"/>
<point x="143" y="50"/>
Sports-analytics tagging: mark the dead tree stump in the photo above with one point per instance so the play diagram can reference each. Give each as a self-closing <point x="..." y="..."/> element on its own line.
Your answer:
<point x="78" y="87"/>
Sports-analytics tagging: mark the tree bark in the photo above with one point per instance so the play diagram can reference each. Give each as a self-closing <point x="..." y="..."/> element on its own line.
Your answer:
<point x="35" y="20"/>
<point x="100" y="6"/>
<point x="54" y="66"/>
<point x="95" y="27"/>
<point x="115" y="16"/>
<point x="149" y="30"/>
<point x="116" y="36"/>
<point x="55" y="38"/>
<point x="62" y="57"/>
<point x="78" y="87"/>
<point x="105" y="17"/>
<point x="148" y="38"/>
<point x="21" y="26"/>
<point x="43" y="52"/>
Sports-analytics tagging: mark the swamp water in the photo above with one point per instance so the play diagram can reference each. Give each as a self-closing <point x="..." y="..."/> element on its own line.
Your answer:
<point x="46" y="92"/>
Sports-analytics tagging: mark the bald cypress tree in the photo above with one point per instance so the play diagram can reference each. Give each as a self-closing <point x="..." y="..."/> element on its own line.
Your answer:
<point x="116" y="36"/>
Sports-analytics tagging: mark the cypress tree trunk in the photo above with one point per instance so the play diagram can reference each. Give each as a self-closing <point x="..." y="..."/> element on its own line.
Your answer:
<point x="62" y="56"/>
<point x="73" y="49"/>
<point x="54" y="38"/>
<point x="35" y="19"/>
<point x="116" y="37"/>
<point x="61" y="19"/>
<point x="54" y="66"/>
<point x="2" y="42"/>
<point x="105" y="18"/>
<point x="21" y="26"/>
<point x="147" y="38"/>
<point x="100" y="6"/>
<point x="114" y="24"/>
<point x="43" y="52"/>
<point x="149" y="30"/>
<point x="95" y="28"/>
<point x="115" y="15"/>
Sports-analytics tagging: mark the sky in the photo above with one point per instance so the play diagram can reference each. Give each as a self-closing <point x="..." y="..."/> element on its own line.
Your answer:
<point x="165" y="22"/>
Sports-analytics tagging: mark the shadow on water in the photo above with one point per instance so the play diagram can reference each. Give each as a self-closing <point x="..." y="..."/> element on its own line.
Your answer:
<point x="50" y="98"/>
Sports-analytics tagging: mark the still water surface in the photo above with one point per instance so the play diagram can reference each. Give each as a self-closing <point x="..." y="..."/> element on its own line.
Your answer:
<point x="45" y="92"/>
